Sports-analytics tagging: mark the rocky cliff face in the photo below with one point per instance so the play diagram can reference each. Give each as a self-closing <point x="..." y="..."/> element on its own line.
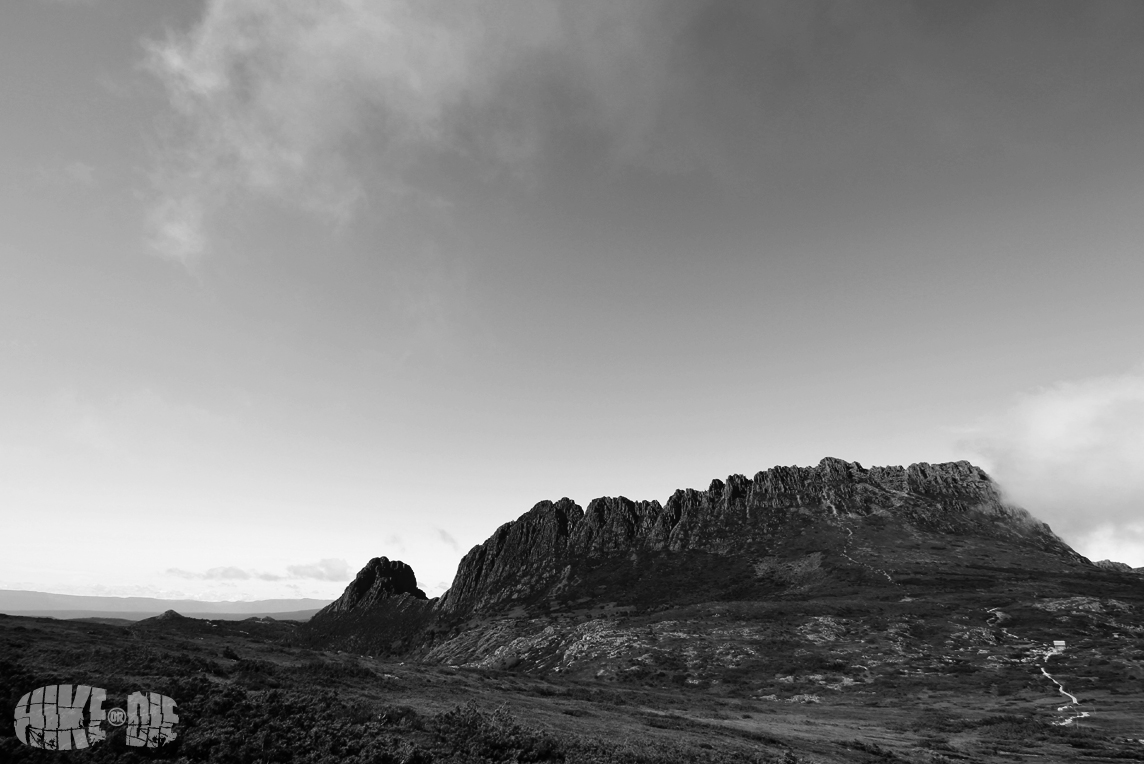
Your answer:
<point x="739" y="516"/>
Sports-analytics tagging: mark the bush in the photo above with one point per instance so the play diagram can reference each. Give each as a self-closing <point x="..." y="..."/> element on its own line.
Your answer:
<point x="494" y="738"/>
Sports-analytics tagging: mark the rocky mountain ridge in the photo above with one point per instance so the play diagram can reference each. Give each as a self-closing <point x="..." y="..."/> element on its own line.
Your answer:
<point x="833" y="529"/>
<point x="736" y="516"/>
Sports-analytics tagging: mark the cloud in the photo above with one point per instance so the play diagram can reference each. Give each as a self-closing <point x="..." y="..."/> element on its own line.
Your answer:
<point x="324" y="104"/>
<point x="1072" y="454"/>
<point x="229" y="573"/>
<point x="323" y="570"/>
<point x="448" y="539"/>
<point x="270" y="94"/>
<point x="177" y="229"/>
<point x="437" y="589"/>
<point x="330" y="105"/>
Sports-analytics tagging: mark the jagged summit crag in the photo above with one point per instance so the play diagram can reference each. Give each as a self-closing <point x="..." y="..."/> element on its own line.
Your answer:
<point x="380" y="610"/>
<point x="835" y="530"/>
<point x="380" y="579"/>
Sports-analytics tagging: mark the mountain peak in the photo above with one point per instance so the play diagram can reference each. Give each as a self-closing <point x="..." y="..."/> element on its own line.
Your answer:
<point x="380" y="579"/>
<point x="381" y="607"/>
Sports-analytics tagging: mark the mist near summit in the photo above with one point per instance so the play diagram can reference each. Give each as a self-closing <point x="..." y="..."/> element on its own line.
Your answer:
<point x="1073" y="452"/>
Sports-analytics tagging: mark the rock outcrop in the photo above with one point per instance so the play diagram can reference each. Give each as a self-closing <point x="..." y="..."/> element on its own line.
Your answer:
<point x="380" y="579"/>
<point x="381" y="610"/>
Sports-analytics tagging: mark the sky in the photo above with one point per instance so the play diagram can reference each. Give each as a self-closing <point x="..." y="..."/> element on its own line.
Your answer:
<point x="286" y="285"/>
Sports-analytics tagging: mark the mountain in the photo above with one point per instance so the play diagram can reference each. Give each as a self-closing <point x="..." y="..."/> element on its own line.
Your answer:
<point x="547" y="552"/>
<point x="380" y="611"/>
<point x="44" y="604"/>
<point x="835" y="532"/>
<point x="825" y="614"/>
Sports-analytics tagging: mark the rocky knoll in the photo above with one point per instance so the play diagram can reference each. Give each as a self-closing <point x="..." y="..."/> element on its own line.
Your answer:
<point x="380" y="579"/>
<point x="541" y="551"/>
<point x="379" y="611"/>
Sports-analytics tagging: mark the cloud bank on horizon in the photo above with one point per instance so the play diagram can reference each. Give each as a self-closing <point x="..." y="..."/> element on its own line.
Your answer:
<point x="324" y="570"/>
<point x="1073" y="454"/>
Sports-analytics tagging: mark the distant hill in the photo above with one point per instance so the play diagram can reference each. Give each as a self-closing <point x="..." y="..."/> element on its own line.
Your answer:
<point x="44" y="604"/>
<point x="129" y="617"/>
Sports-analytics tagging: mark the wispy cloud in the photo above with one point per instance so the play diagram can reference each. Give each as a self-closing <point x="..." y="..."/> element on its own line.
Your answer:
<point x="324" y="570"/>
<point x="177" y="228"/>
<point x="1072" y="454"/>
<point x="271" y="94"/>
<point x="326" y="104"/>
<point x="446" y="537"/>
<point x="331" y="104"/>
<point x="229" y="573"/>
<point x="436" y="589"/>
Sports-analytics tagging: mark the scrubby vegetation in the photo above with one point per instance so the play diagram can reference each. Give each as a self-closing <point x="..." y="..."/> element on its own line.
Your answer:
<point x="929" y="678"/>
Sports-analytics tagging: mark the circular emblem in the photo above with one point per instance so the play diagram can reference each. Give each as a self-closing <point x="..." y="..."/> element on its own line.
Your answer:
<point x="116" y="717"/>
